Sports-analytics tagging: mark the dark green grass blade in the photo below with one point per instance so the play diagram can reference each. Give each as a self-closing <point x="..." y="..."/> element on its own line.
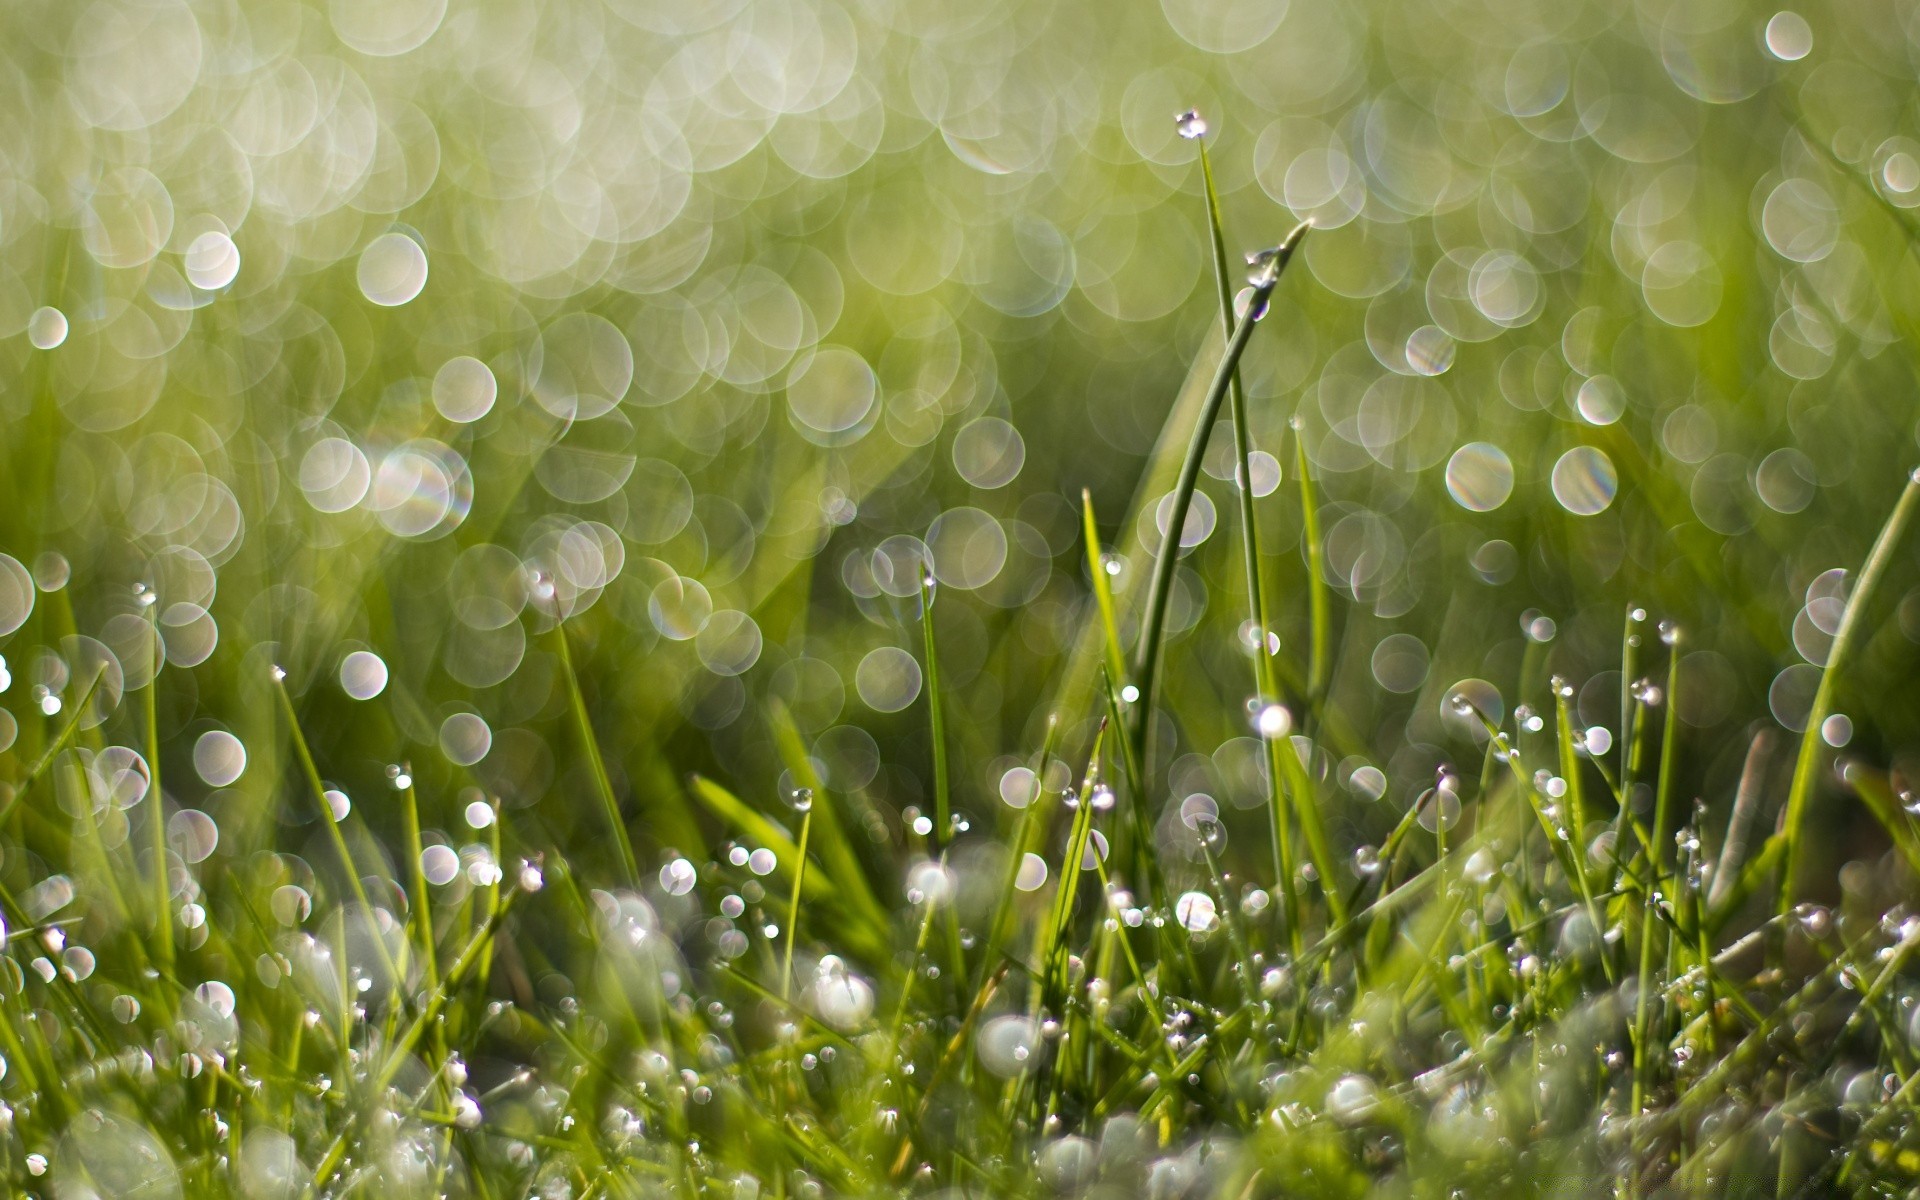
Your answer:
<point x="1153" y="630"/>
<point x="590" y="746"/>
<point x="1807" y="764"/>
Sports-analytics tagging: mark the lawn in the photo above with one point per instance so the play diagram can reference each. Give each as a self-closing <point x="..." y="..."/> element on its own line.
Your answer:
<point x="799" y="598"/>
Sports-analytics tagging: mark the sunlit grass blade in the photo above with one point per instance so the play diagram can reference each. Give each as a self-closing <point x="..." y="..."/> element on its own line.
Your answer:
<point x="1319" y="603"/>
<point x="156" y="822"/>
<point x="349" y="865"/>
<point x="596" y="765"/>
<point x="1153" y="627"/>
<point x="936" y="715"/>
<point x="1102" y="593"/>
<point x="1810" y="755"/>
<point x="1659" y="890"/>
<point x="793" y="904"/>
<point x="847" y="876"/>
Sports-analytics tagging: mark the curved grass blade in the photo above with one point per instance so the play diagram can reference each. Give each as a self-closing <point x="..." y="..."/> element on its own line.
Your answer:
<point x="1807" y="762"/>
<point x="1147" y="654"/>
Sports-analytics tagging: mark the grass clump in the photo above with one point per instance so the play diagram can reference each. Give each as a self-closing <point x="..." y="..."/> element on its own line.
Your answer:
<point x="371" y="857"/>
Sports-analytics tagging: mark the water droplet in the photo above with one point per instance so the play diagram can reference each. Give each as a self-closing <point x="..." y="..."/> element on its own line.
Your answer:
<point x="1191" y="124"/>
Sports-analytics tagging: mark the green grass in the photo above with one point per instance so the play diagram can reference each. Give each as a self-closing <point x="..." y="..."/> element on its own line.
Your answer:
<point x="706" y="691"/>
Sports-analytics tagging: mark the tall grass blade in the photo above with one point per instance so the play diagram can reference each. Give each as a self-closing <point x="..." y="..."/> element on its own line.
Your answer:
<point x="1319" y="603"/>
<point x="596" y="765"/>
<point x="1807" y="763"/>
<point x="936" y="715"/>
<point x="1147" y="653"/>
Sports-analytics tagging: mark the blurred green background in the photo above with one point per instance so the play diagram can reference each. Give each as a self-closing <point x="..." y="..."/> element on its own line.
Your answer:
<point x="399" y="328"/>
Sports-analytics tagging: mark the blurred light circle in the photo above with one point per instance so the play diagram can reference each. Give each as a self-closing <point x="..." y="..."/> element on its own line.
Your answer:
<point x="47" y="328"/>
<point x="989" y="452"/>
<point x="968" y="547"/>
<point x="898" y="565"/>
<point x="193" y="834"/>
<point x="383" y="28"/>
<point x="586" y="367"/>
<point x="1484" y="704"/>
<point x="464" y="389"/>
<point x="392" y="270"/>
<point x="1494" y="561"/>
<point x="1480" y="476"/>
<point x="1601" y="400"/>
<point x="1224" y="26"/>
<point x="1681" y="284"/>
<point x="412" y="492"/>
<point x="888" y="679"/>
<point x="1400" y="663"/>
<point x="1265" y="470"/>
<point x="1019" y="786"/>
<point x="488" y="584"/>
<point x="128" y="218"/>
<point x="212" y="261"/>
<point x="1032" y="874"/>
<point x="832" y="390"/>
<point x="1790" y="696"/>
<point x="1800" y="221"/>
<point x="1584" y="481"/>
<point x="1198" y="525"/>
<point x="16" y="594"/>
<point x="1026" y="270"/>
<point x="131" y="64"/>
<point x="334" y="474"/>
<point x="219" y="758"/>
<point x="680" y="608"/>
<point x="101" y="1154"/>
<point x="189" y="633"/>
<point x="1430" y="350"/>
<point x="1785" y="481"/>
<point x="1007" y="1044"/>
<point x="1789" y="37"/>
<point x="363" y="675"/>
<point x="465" y="738"/>
<point x="439" y="864"/>
<point x="1505" y="288"/>
<point x="730" y="643"/>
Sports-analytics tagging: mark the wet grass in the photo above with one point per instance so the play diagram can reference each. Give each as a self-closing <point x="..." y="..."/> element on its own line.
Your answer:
<point x="1554" y="975"/>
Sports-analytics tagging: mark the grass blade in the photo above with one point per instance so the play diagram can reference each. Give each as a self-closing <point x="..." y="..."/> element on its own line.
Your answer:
<point x="1319" y="605"/>
<point x="936" y="716"/>
<point x="590" y="746"/>
<point x="1147" y="653"/>
<point x="1810" y="754"/>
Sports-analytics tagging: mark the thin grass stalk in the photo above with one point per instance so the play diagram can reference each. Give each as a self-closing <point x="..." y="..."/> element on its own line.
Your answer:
<point x="319" y="789"/>
<point x="936" y="715"/>
<point x="157" y="811"/>
<point x="1806" y="765"/>
<point x="422" y="899"/>
<point x="1319" y="604"/>
<point x="1266" y="687"/>
<point x="1153" y="632"/>
<point x="1023" y="834"/>
<point x="590" y="746"/>
<point x="1102" y="592"/>
<point x="1654" y="896"/>
<point x="793" y="906"/>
